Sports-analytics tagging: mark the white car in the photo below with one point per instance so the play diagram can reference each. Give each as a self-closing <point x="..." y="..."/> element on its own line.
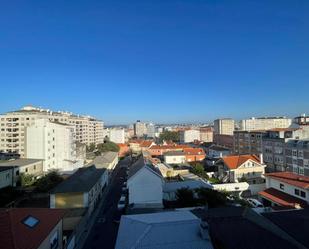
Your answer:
<point x="255" y="203"/>
<point x="122" y="202"/>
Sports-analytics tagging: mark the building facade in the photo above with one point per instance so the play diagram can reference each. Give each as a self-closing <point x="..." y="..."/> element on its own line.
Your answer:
<point x="224" y="126"/>
<point x="13" y="125"/>
<point x="140" y="129"/>
<point x="206" y="135"/>
<point x="189" y="136"/>
<point x="265" y="123"/>
<point x="54" y="143"/>
<point x="248" y="142"/>
<point x="117" y="136"/>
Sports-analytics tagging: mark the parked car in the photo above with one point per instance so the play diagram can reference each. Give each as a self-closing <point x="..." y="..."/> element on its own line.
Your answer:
<point x="122" y="202"/>
<point x="255" y="203"/>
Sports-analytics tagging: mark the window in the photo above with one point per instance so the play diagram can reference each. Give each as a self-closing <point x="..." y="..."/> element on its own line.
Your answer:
<point x="54" y="241"/>
<point x="303" y="194"/>
<point x="281" y="186"/>
<point x="34" y="167"/>
<point x="31" y="221"/>
<point x="296" y="191"/>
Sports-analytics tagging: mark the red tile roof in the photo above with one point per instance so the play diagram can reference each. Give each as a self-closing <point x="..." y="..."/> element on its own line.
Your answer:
<point x="233" y="162"/>
<point x="169" y="147"/>
<point x="290" y="178"/>
<point x="282" y="198"/>
<point x="14" y="234"/>
<point x="193" y="151"/>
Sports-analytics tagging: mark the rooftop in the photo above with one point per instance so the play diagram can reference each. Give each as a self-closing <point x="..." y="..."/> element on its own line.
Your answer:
<point x="165" y="230"/>
<point x="105" y="159"/>
<point x="290" y="178"/>
<point x="81" y="181"/>
<point x="191" y="184"/>
<point x="27" y="228"/>
<point x="234" y="161"/>
<point x="282" y="198"/>
<point x="139" y="164"/>
<point x="20" y="162"/>
<point x="174" y="153"/>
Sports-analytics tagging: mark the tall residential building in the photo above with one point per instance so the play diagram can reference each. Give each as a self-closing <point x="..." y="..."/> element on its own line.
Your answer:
<point x="140" y="129"/>
<point x="248" y="142"/>
<point x="297" y="156"/>
<point x="189" y="136"/>
<point x="265" y="123"/>
<point x="54" y="143"/>
<point x="224" y="126"/>
<point x="206" y="134"/>
<point x="117" y="135"/>
<point x="13" y="124"/>
<point x="151" y="131"/>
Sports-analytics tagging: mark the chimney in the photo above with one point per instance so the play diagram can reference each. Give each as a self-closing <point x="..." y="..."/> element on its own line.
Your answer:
<point x="261" y="158"/>
<point x="204" y="230"/>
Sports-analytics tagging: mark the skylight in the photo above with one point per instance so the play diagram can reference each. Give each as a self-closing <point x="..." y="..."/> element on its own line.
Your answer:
<point x="31" y="221"/>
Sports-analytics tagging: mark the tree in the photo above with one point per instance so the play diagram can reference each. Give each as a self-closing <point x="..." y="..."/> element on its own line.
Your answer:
<point x="185" y="197"/>
<point x="108" y="146"/>
<point x="242" y="179"/>
<point x="91" y="147"/>
<point x="26" y="179"/>
<point x="169" y="136"/>
<point x="49" y="181"/>
<point x="211" y="197"/>
<point x="198" y="169"/>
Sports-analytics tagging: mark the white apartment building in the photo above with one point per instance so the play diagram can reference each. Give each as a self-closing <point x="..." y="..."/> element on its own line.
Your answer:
<point x="117" y="136"/>
<point x="13" y="124"/>
<point x="224" y="126"/>
<point x="265" y="123"/>
<point x="140" y="129"/>
<point x="151" y="131"/>
<point x="53" y="143"/>
<point x="189" y="136"/>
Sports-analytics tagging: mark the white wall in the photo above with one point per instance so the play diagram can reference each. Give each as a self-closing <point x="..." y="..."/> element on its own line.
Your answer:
<point x="145" y="188"/>
<point x="54" y="143"/>
<point x="6" y="178"/>
<point x="288" y="189"/>
<point x="174" y="159"/>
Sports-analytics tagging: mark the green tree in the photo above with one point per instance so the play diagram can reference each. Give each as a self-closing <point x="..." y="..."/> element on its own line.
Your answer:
<point x="108" y="146"/>
<point x="211" y="197"/>
<point x="91" y="147"/>
<point x="198" y="169"/>
<point x="169" y="136"/>
<point x="185" y="197"/>
<point x="26" y="179"/>
<point x="49" y="181"/>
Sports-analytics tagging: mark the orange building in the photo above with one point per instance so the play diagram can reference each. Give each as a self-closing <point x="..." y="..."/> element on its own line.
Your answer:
<point x="194" y="154"/>
<point x="123" y="149"/>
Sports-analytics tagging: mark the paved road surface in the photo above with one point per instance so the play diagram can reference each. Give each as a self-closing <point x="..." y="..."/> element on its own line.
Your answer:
<point x="104" y="233"/>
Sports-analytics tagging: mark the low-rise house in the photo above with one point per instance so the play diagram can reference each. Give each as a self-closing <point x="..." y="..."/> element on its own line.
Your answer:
<point x="216" y="152"/>
<point x="159" y="150"/>
<point x="139" y="145"/>
<point x="6" y="177"/>
<point x="194" y="154"/>
<point x="123" y="150"/>
<point x="285" y="189"/>
<point x="145" y="184"/>
<point x="27" y="166"/>
<point x="174" y="157"/>
<point x="83" y="189"/>
<point x="165" y="230"/>
<point x="107" y="160"/>
<point x="31" y="228"/>
<point x="235" y="168"/>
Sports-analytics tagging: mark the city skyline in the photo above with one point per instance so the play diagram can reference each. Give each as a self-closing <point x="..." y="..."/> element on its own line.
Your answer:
<point x="162" y="61"/>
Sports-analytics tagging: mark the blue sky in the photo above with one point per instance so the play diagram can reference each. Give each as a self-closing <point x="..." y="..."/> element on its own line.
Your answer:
<point x="164" y="61"/>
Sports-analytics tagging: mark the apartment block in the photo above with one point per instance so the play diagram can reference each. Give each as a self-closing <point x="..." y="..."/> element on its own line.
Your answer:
<point x="117" y="136"/>
<point x="297" y="156"/>
<point x="206" y="135"/>
<point x="189" y="136"/>
<point x="265" y="123"/>
<point x="224" y="126"/>
<point x="248" y="142"/>
<point x="140" y="129"/>
<point x="13" y="125"/>
<point x="54" y="143"/>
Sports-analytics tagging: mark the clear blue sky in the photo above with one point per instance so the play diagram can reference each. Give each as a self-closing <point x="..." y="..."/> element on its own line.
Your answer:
<point x="165" y="61"/>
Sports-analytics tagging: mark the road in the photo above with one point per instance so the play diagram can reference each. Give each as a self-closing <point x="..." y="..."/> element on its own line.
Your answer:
<point x="104" y="231"/>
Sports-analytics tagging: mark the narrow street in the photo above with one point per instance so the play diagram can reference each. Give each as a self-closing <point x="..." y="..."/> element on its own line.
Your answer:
<point x="103" y="234"/>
